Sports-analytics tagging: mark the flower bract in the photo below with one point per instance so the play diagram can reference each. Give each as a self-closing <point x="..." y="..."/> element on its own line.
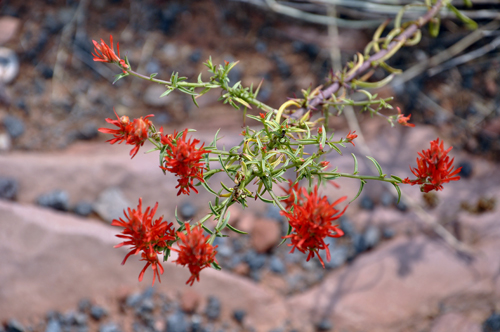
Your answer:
<point x="194" y="251"/>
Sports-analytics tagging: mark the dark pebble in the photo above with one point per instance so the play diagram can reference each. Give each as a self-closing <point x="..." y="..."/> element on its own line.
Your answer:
<point x="133" y="300"/>
<point x="387" y="199"/>
<point x="260" y="47"/>
<point x="213" y="308"/>
<point x="367" y="203"/>
<point x="401" y="206"/>
<point x="466" y="170"/>
<point x="97" y="312"/>
<point x="177" y="322"/>
<point x="255" y="275"/>
<point x="146" y="306"/>
<point x="57" y="199"/>
<point x="8" y="188"/>
<point x="273" y="212"/>
<point x="347" y="227"/>
<point x="255" y="260"/>
<point x="338" y="256"/>
<point x="239" y="315"/>
<point x="195" y="57"/>
<point x="14" y="326"/>
<point x="148" y="293"/>
<point x="388" y="232"/>
<point x="84" y="305"/>
<point x="492" y="324"/>
<point x="83" y="209"/>
<point x="87" y="132"/>
<point x="225" y="251"/>
<point x="283" y="67"/>
<point x="53" y="326"/>
<point x="109" y="327"/>
<point x="358" y="241"/>
<point x="46" y="71"/>
<point x="14" y="126"/>
<point x="188" y="210"/>
<point x="196" y="324"/>
<point x="324" y="325"/>
<point x="55" y="315"/>
<point x="276" y="265"/>
<point x="371" y="236"/>
<point x="235" y="75"/>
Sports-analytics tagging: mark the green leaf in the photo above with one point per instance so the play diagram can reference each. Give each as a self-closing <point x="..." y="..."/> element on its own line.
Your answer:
<point x="153" y="75"/>
<point x="471" y="24"/>
<point x="119" y="77"/>
<point x="207" y="229"/>
<point x="166" y="93"/>
<point x="287" y="233"/>
<point x="323" y="136"/>
<point x="166" y="254"/>
<point x="398" y="190"/>
<point x="363" y="182"/>
<point x="207" y="187"/>
<point x="235" y="230"/>
<point x="397" y="178"/>
<point x="355" y="164"/>
<point x="177" y="218"/>
<point x="377" y="165"/>
<point x="216" y="266"/>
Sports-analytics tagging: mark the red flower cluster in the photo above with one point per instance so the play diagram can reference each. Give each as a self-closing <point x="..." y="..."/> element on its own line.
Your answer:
<point x="434" y="168"/>
<point x="194" y="251"/>
<point x="311" y="221"/>
<point x="350" y="137"/>
<point x="183" y="159"/>
<point x="404" y="119"/>
<point x="107" y="54"/>
<point x="133" y="133"/>
<point x="143" y="234"/>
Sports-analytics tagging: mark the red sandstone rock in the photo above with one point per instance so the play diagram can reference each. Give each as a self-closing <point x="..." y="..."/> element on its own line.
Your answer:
<point x="266" y="234"/>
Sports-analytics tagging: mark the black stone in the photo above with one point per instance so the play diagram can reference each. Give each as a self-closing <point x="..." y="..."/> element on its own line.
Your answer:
<point x="324" y="325"/>
<point x="57" y="200"/>
<point x="87" y="132"/>
<point x="188" y="210"/>
<point x="195" y="57"/>
<point x="273" y="212"/>
<point x="109" y="327"/>
<point x="177" y="322"/>
<point x="14" y="326"/>
<point x="83" y="209"/>
<point x="46" y="71"/>
<point x="284" y="68"/>
<point x="260" y="47"/>
<point x="213" y="308"/>
<point x="492" y="324"/>
<point x="97" y="312"/>
<point x="14" y="126"/>
<point x="8" y="188"/>
<point x="239" y="315"/>
<point x="401" y="206"/>
<point x="466" y="170"/>
<point x="388" y="233"/>
<point x="347" y="227"/>
<point x="358" y="241"/>
<point x="133" y="300"/>
<point x="276" y="265"/>
<point x="255" y="260"/>
<point x="367" y="203"/>
<point x="387" y="199"/>
<point x="84" y="305"/>
<point x="196" y="324"/>
<point x="53" y="326"/>
<point x="371" y="237"/>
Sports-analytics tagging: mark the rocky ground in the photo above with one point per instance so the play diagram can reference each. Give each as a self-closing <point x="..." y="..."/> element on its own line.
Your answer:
<point x="60" y="185"/>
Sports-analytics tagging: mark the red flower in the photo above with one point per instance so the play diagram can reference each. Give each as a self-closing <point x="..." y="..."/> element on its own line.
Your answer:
<point x="434" y="168"/>
<point x="183" y="159"/>
<point x="107" y="54"/>
<point x="143" y="234"/>
<point x="350" y="137"/>
<point x="311" y="222"/>
<point x="133" y="133"/>
<point x="262" y="115"/>
<point x="404" y="119"/>
<point x="292" y="191"/>
<point x="194" y="251"/>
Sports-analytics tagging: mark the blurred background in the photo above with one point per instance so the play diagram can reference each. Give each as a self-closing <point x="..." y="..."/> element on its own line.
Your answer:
<point x="428" y="263"/>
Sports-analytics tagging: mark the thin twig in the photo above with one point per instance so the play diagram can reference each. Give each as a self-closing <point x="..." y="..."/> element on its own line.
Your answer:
<point x="466" y="57"/>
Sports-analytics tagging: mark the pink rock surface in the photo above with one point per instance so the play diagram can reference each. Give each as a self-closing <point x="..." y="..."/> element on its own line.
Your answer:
<point x="51" y="260"/>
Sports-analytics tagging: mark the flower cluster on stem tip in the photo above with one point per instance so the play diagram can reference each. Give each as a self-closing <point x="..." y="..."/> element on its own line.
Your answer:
<point x="434" y="168"/>
<point x="195" y="251"/>
<point x="183" y="159"/>
<point x="133" y="133"/>
<point x="311" y="219"/>
<point x="144" y="234"/>
<point x="105" y="53"/>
